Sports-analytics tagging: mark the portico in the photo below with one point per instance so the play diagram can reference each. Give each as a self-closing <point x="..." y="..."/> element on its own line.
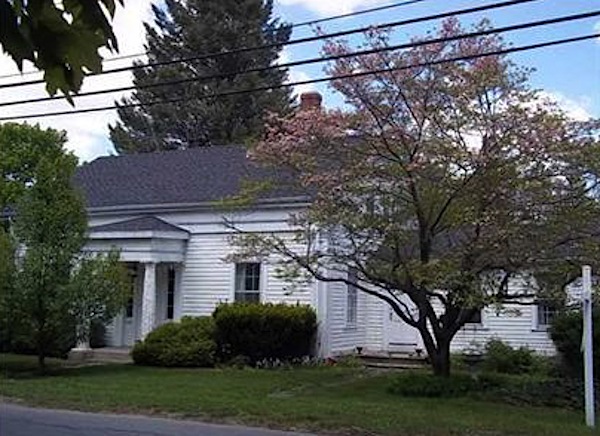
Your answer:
<point x="154" y="251"/>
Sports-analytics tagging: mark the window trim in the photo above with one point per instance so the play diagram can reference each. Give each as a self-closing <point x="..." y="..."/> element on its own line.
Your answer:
<point x="261" y="275"/>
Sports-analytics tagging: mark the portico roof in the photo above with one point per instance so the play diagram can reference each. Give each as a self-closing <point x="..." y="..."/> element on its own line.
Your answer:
<point x="139" y="224"/>
<point x="140" y="239"/>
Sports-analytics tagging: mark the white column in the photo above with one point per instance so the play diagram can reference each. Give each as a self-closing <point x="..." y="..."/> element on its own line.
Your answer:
<point x="149" y="299"/>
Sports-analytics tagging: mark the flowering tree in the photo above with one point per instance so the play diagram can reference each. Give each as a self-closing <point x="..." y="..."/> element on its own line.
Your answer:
<point x="440" y="183"/>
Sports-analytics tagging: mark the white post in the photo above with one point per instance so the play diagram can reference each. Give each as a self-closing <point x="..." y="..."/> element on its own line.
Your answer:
<point x="149" y="299"/>
<point x="587" y="346"/>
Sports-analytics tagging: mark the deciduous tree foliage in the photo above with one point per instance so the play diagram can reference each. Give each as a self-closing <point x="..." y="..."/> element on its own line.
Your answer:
<point x="22" y="147"/>
<point x="51" y="287"/>
<point x="197" y="28"/>
<point x="438" y="185"/>
<point x="60" y="38"/>
<point x="98" y="290"/>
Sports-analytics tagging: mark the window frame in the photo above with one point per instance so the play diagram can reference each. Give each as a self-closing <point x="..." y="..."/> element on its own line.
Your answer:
<point x="544" y="312"/>
<point x="351" y="298"/>
<point x="257" y="280"/>
<point x="476" y="323"/>
<point x="171" y="289"/>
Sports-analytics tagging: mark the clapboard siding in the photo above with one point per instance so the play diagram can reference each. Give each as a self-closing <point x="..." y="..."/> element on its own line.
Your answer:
<point x="208" y="278"/>
<point x="514" y="325"/>
<point x="344" y="337"/>
<point x="374" y="335"/>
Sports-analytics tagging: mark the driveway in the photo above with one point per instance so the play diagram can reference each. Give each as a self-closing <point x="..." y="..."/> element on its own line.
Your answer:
<point x="24" y="421"/>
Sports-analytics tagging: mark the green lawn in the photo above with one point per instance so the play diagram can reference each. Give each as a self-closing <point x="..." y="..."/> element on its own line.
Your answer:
<point x="337" y="400"/>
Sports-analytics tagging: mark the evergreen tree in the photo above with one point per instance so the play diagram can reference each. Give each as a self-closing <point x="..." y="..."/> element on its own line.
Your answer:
<point x="193" y="28"/>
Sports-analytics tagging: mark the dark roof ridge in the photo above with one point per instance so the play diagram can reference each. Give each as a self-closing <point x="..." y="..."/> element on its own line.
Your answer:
<point x="165" y="152"/>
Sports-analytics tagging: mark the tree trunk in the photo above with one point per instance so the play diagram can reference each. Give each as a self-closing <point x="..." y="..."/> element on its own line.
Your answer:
<point x="440" y="359"/>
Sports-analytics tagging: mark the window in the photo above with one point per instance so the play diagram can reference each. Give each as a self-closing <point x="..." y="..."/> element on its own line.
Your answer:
<point x="129" y="308"/>
<point x="545" y="315"/>
<point x="476" y="318"/>
<point x="171" y="293"/>
<point x="247" y="282"/>
<point x="132" y="280"/>
<point x="351" y="298"/>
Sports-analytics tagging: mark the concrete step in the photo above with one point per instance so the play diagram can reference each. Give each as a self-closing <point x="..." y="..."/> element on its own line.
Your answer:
<point x="112" y="355"/>
<point x="101" y="355"/>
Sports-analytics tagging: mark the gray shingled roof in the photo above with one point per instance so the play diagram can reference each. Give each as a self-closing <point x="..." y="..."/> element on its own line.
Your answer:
<point x="192" y="176"/>
<point x="144" y="223"/>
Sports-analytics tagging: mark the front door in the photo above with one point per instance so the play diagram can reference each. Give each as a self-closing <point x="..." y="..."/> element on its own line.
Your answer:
<point x="401" y="337"/>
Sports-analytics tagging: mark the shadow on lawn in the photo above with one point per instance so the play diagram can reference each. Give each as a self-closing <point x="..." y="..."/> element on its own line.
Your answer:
<point x="28" y="369"/>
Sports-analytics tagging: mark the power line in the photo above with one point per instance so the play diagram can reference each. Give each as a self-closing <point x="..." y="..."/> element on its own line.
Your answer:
<point x="291" y="25"/>
<point x="498" y="30"/>
<point x="319" y="80"/>
<point x="356" y="13"/>
<point x="297" y="41"/>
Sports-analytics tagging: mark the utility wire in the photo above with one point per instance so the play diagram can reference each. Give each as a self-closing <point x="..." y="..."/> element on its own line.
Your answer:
<point x="480" y="33"/>
<point x="291" y="25"/>
<point x="319" y="80"/>
<point x="296" y="41"/>
<point x="354" y="14"/>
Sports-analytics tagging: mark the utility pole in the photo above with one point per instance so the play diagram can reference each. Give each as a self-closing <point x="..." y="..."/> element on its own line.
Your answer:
<point x="587" y="347"/>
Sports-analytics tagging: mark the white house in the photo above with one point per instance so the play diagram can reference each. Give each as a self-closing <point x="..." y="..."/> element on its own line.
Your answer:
<point x="162" y="211"/>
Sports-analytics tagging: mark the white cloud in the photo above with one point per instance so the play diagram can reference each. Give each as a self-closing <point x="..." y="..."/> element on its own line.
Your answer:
<point x="577" y="109"/>
<point x="300" y="76"/>
<point x="333" y="7"/>
<point x="295" y="75"/>
<point x="87" y="133"/>
<point x="597" y="30"/>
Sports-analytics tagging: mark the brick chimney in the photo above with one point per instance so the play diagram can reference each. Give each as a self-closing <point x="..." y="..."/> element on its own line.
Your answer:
<point x="310" y="100"/>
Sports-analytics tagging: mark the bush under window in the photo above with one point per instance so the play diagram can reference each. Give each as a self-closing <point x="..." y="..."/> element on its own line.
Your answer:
<point x="264" y="331"/>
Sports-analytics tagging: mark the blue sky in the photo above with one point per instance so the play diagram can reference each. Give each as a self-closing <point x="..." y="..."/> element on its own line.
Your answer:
<point x="569" y="73"/>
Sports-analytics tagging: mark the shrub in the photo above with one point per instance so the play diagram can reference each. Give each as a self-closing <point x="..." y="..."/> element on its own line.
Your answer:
<point x="414" y="384"/>
<point x="566" y="332"/>
<point x="189" y="343"/>
<point x="264" y="331"/>
<point x="502" y="358"/>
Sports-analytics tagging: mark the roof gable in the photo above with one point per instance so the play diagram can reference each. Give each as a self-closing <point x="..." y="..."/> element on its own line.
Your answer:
<point x="141" y="224"/>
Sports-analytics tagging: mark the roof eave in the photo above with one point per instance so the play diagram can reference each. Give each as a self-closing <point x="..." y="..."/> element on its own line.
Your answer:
<point x="267" y="203"/>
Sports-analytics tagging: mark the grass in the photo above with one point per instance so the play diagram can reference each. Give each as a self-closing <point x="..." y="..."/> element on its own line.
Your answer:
<point x="336" y="400"/>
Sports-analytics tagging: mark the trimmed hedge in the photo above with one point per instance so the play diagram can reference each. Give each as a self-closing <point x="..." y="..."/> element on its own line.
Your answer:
<point x="189" y="343"/>
<point x="264" y="331"/>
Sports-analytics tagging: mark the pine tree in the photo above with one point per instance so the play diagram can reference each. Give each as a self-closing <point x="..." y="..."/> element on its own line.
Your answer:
<point x="193" y="28"/>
